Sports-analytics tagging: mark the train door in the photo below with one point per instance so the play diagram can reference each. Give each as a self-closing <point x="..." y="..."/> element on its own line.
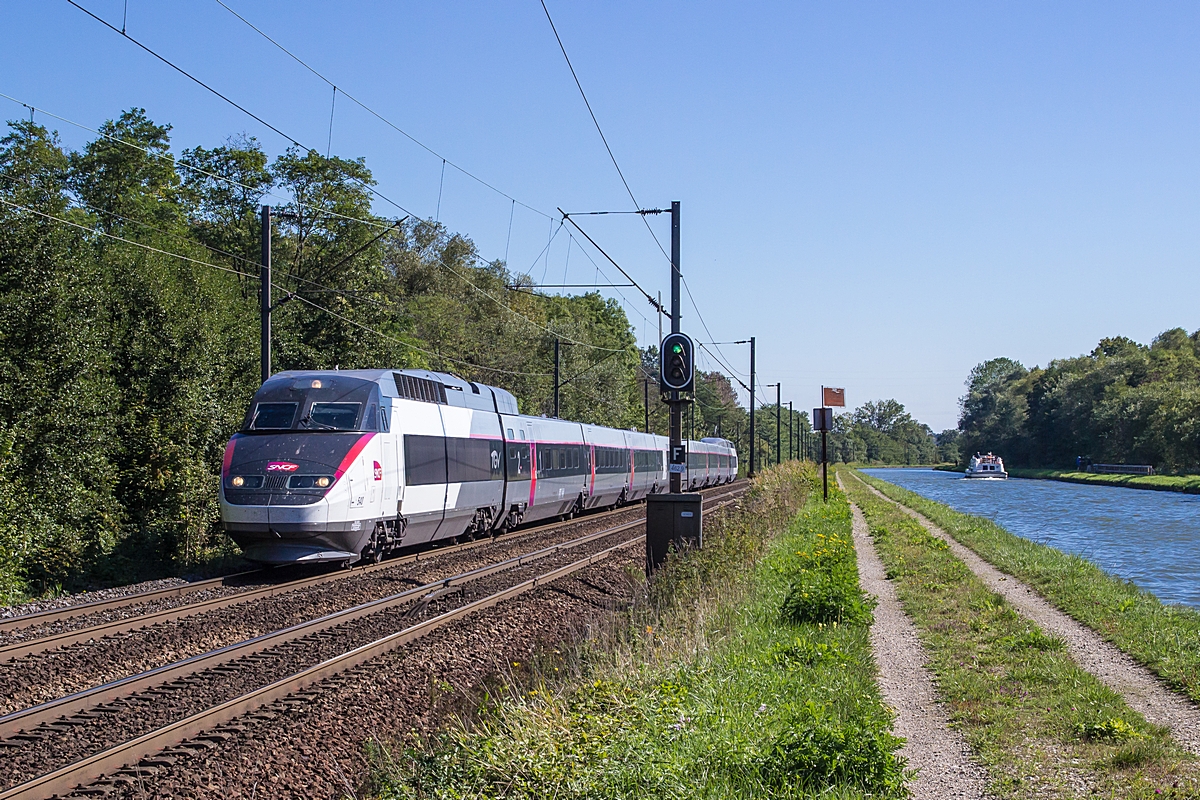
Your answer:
<point x="391" y="480"/>
<point x="421" y="447"/>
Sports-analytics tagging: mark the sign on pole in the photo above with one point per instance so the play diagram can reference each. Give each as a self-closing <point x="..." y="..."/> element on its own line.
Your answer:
<point x="833" y="397"/>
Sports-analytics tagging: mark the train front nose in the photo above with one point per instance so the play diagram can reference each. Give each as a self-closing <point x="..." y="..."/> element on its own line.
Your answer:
<point x="277" y="499"/>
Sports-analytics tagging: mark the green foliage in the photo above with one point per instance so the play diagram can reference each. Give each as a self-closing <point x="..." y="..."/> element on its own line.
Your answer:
<point x="1122" y="403"/>
<point x="127" y="369"/>
<point x="880" y="432"/>
<point x="1188" y="484"/>
<point x="759" y="707"/>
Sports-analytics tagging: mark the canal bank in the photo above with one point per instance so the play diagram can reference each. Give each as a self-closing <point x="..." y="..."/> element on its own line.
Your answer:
<point x="1042" y="709"/>
<point x="1149" y="538"/>
<point x="1164" y="638"/>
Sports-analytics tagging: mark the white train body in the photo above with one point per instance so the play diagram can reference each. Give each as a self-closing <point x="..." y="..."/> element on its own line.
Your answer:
<point x="338" y="465"/>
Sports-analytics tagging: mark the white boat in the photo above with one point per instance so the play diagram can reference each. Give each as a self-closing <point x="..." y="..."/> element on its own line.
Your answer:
<point x="989" y="466"/>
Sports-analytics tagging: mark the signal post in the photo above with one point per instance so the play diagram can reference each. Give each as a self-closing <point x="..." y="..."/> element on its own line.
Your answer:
<point x="674" y="518"/>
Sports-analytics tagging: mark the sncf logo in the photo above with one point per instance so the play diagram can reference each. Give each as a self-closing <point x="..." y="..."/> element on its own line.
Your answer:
<point x="282" y="466"/>
<point x="378" y="472"/>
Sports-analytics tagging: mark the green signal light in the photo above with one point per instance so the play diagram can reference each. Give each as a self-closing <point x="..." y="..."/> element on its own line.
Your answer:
<point x="677" y="349"/>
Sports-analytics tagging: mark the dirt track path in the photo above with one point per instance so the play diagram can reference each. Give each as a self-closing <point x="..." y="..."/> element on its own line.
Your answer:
<point x="1143" y="691"/>
<point x="939" y="753"/>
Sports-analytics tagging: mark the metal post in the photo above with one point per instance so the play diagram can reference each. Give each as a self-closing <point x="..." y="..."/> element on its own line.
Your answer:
<point x="753" y="441"/>
<point x="676" y="432"/>
<point x="264" y="295"/>
<point x="825" y="465"/>
<point x="779" y="423"/>
<point x="556" y="355"/>
<point x="791" y="431"/>
<point x="646" y="400"/>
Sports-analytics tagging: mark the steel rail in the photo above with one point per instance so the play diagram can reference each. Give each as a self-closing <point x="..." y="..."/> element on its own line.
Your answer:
<point x="55" y="615"/>
<point x="65" y="779"/>
<point x="29" y="718"/>
<point x="78" y="610"/>
<point x="114" y="759"/>
<point x="37" y="645"/>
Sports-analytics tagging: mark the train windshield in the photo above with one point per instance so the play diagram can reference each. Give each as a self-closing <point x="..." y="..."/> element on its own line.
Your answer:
<point x="333" y="416"/>
<point x="273" y="416"/>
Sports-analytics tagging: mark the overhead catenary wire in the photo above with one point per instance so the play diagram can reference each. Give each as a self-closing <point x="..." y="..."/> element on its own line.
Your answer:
<point x="301" y="298"/>
<point x="335" y="88"/>
<point x="386" y="226"/>
<point x="617" y="166"/>
<point x="236" y="105"/>
<point x="297" y="143"/>
<point x="377" y="115"/>
<point x="126" y="241"/>
<point x="599" y="130"/>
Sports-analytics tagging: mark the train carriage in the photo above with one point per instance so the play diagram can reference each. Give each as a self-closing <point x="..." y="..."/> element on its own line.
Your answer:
<point x="343" y="465"/>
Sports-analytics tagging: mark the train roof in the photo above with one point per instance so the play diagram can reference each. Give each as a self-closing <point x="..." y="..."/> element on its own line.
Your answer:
<point x="455" y="392"/>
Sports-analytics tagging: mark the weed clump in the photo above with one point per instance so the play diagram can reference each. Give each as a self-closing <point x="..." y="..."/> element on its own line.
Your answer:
<point x="822" y="751"/>
<point x="1111" y="729"/>
<point x="824" y="575"/>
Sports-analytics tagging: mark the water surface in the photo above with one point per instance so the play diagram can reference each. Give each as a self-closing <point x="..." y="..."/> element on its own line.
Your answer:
<point x="1151" y="538"/>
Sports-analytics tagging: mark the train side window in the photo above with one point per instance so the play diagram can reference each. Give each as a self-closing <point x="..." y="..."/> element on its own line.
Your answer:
<point x="385" y="423"/>
<point x="509" y="431"/>
<point x="522" y="433"/>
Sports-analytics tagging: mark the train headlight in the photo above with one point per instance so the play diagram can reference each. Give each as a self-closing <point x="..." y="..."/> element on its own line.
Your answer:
<point x="237" y="481"/>
<point x="322" y="481"/>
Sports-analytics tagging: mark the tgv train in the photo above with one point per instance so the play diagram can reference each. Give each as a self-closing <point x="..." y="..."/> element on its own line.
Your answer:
<point x="348" y="465"/>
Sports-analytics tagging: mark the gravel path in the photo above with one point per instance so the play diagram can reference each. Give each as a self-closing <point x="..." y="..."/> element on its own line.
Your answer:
<point x="1141" y="689"/>
<point x="939" y="753"/>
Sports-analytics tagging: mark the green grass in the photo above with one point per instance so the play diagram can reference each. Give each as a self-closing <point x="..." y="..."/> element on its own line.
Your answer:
<point x="1041" y="725"/>
<point x="747" y="673"/>
<point x="1165" y="638"/>
<point x="1189" y="484"/>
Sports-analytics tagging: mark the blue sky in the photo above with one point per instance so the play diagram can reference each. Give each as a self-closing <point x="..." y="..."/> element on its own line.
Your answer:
<point x="883" y="194"/>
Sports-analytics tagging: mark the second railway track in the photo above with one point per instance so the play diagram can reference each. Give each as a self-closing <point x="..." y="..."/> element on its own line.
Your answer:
<point x="53" y="747"/>
<point x="39" y="670"/>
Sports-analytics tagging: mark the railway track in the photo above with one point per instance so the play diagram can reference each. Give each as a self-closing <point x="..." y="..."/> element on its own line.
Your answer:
<point x="52" y="747"/>
<point x="19" y="635"/>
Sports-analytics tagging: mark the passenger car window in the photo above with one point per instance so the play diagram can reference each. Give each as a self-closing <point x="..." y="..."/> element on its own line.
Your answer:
<point x="273" y="416"/>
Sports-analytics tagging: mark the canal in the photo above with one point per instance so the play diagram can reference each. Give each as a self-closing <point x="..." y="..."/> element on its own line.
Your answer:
<point x="1151" y="538"/>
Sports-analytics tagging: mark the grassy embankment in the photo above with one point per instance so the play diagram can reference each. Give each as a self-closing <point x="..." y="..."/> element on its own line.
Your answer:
<point x="746" y="672"/>
<point x="1041" y="725"/>
<point x="1165" y="638"/>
